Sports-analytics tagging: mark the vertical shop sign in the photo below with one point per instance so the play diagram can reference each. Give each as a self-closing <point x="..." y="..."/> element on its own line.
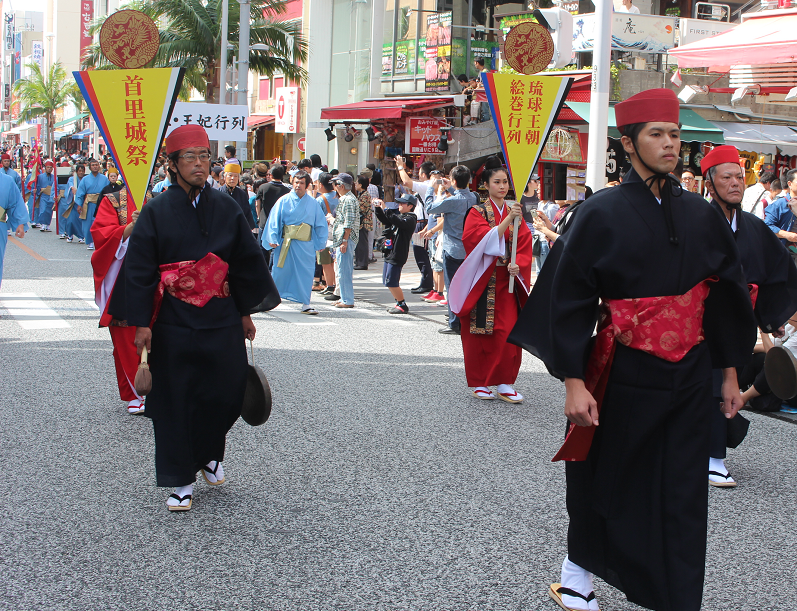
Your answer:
<point x="437" y="66"/>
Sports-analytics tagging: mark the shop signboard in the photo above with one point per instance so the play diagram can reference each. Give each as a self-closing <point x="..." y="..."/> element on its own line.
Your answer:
<point x="423" y="135"/>
<point x="479" y="49"/>
<point x="221" y="121"/>
<point x="630" y="32"/>
<point x="9" y="32"/>
<point x="421" y="56"/>
<point x="402" y="63"/>
<point x="692" y="30"/>
<point x="287" y="118"/>
<point x="387" y="61"/>
<point x="37" y="53"/>
<point x="437" y="65"/>
<point x="86" y="17"/>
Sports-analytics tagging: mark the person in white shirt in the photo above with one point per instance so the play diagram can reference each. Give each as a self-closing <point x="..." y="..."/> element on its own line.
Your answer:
<point x="754" y="195"/>
<point x="425" y="173"/>
<point x="628" y="7"/>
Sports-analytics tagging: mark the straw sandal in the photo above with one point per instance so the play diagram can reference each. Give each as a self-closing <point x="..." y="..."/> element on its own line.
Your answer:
<point x="484" y="395"/>
<point x="180" y="500"/>
<point x="556" y="590"/>
<point x="217" y="482"/>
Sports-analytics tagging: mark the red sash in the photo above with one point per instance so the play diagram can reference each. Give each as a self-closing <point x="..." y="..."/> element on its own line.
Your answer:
<point x="195" y="282"/>
<point x="666" y="327"/>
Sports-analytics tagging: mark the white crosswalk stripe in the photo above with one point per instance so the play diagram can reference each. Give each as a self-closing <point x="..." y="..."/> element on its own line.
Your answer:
<point x="88" y="297"/>
<point x="30" y="312"/>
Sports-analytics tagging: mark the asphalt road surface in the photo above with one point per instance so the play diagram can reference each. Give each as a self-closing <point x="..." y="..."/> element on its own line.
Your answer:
<point x="377" y="484"/>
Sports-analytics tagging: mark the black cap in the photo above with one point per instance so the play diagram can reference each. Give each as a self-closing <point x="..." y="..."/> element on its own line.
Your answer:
<point x="407" y="199"/>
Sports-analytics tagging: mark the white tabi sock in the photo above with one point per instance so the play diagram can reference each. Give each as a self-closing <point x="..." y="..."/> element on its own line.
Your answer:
<point x="506" y="389"/>
<point x="219" y="472"/>
<point x="577" y="579"/>
<point x="718" y="465"/>
<point x="181" y="491"/>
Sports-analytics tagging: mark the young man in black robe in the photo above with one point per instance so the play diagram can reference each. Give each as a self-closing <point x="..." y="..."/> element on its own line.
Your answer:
<point x="650" y="260"/>
<point x="768" y="269"/>
<point x="192" y="263"/>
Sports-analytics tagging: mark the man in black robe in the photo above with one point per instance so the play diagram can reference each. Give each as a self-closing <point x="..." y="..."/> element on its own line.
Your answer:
<point x="770" y="273"/>
<point x="637" y="496"/>
<point x="198" y="361"/>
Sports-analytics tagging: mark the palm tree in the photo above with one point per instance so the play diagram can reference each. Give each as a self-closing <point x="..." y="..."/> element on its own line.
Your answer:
<point x="75" y="97"/>
<point x="191" y="39"/>
<point x="41" y="95"/>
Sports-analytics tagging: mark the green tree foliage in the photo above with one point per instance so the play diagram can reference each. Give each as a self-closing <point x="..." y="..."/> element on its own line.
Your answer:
<point x="40" y="95"/>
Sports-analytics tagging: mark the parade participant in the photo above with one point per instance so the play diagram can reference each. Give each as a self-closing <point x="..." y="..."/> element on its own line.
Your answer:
<point x="194" y="273"/>
<point x="295" y="231"/>
<point x="6" y="169"/>
<point x="658" y="258"/>
<point x="768" y="269"/>
<point x="87" y="198"/>
<point x="70" y="218"/>
<point x="46" y="190"/>
<point x="12" y="212"/>
<point x="116" y="217"/>
<point x="114" y="186"/>
<point x="232" y="177"/>
<point x="486" y="309"/>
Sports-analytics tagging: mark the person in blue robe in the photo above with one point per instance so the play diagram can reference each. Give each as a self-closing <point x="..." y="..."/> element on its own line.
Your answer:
<point x="88" y="194"/>
<point x="8" y="171"/>
<point x="297" y="225"/>
<point x="46" y="189"/>
<point x="12" y="211"/>
<point x="71" y="225"/>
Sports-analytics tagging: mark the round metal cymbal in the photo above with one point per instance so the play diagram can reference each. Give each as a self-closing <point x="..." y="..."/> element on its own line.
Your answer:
<point x="781" y="371"/>
<point x="257" y="398"/>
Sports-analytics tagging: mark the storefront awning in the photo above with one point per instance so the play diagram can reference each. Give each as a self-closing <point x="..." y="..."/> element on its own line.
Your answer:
<point x="693" y="126"/>
<point x="259" y="120"/>
<point x="81" y="135"/>
<point x="382" y="109"/>
<point x="57" y="134"/>
<point x="760" y="39"/>
<point x="757" y="138"/>
<point x="70" y="121"/>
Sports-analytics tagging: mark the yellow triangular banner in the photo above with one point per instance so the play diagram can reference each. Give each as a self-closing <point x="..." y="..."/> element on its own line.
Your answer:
<point x="132" y="109"/>
<point x="524" y="109"/>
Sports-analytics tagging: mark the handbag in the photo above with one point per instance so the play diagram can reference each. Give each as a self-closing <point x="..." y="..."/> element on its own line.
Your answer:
<point x="329" y="211"/>
<point x="536" y="246"/>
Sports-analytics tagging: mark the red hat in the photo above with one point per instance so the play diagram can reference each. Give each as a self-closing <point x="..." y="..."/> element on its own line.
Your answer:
<point x="720" y="154"/>
<point x="49" y="163"/>
<point x="186" y="136"/>
<point x="5" y="156"/>
<point x="660" y="105"/>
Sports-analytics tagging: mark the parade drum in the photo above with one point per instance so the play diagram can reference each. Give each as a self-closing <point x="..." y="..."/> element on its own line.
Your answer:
<point x="781" y="371"/>
<point x="257" y="398"/>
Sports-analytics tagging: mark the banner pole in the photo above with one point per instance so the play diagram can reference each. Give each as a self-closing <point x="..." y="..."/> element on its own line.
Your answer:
<point x="599" y="98"/>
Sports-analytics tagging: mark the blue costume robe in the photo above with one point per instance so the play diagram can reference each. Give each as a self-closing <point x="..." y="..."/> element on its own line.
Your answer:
<point x="11" y="200"/>
<point x="12" y="174"/>
<point x="46" y="202"/>
<point x="89" y="185"/>
<point x="71" y="225"/>
<point x="295" y="279"/>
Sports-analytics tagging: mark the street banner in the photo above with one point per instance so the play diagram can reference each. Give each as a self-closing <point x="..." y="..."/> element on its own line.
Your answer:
<point x="286" y="120"/>
<point x="131" y="109"/>
<point x="524" y="108"/>
<point x="225" y="122"/>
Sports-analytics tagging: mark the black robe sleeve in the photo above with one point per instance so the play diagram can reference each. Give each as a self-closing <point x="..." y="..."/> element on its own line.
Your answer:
<point x="768" y="265"/>
<point x="141" y="268"/>
<point x="248" y="269"/>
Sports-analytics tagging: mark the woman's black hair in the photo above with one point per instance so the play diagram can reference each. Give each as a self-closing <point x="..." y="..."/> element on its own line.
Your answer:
<point x="363" y="181"/>
<point x="316" y="160"/>
<point x="491" y="166"/>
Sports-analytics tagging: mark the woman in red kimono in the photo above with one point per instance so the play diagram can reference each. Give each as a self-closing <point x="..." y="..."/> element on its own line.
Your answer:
<point x="116" y="216"/>
<point x="488" y="311"/>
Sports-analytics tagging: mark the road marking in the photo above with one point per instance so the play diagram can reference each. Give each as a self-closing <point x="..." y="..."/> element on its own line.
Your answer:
<point x="288" y="314"/>
<point x="88" y="297"/>
<point x="31" y="312"/>
<point x="28" y="250"/>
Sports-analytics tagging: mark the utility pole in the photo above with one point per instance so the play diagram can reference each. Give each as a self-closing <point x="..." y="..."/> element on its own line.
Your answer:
<point x="599" y="98"/>
<point x="222" y="99"/>
<point x="243" y="71"/>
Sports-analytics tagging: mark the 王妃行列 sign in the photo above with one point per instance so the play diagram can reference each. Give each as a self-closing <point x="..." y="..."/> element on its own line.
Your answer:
<point x="221" y="121"/>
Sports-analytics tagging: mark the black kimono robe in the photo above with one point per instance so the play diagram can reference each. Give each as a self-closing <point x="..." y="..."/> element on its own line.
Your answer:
<point x="767" y="264"/>
<point x="638" y="505"/>
<point x="198" y="359"/>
